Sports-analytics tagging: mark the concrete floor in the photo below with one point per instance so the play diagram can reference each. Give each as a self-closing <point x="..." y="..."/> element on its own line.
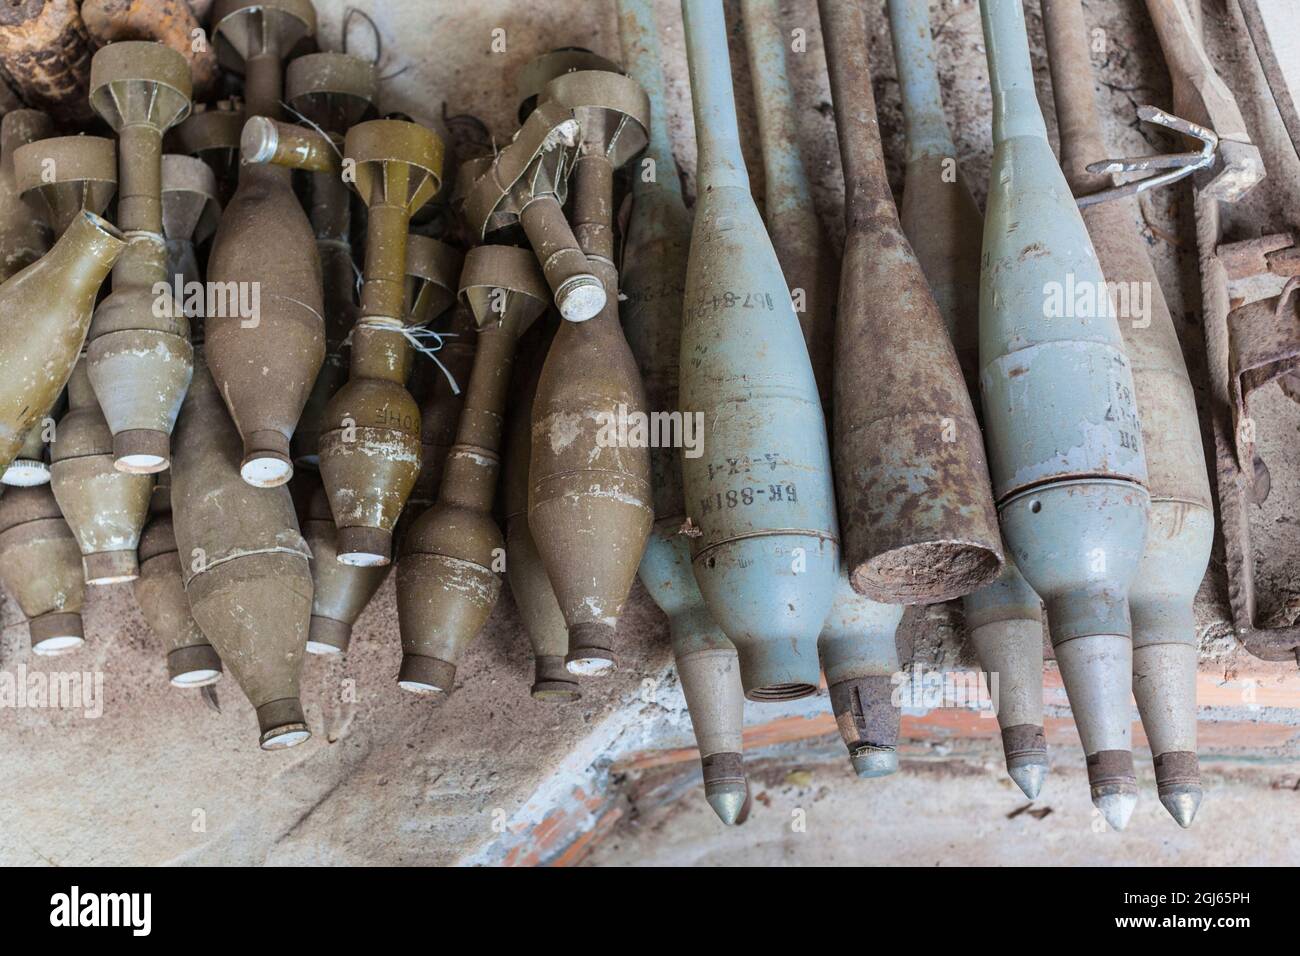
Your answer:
<point x="494" y="777"/>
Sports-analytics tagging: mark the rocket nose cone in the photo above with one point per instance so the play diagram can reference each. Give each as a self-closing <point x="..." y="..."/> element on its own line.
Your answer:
<point x="1182" y="804"/>
<point x="727" y="800"/>
<point x="1029" y="776"/>
<point x="1116" y="808"/>
<point x="875" y="763"/>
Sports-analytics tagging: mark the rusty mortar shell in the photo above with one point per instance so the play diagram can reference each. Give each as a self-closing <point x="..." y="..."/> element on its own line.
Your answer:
<point x="538" y="607"/>
<point x="760" y="491"/>
<point x="265" y="358"/>
<point x="211" y="133"/>
<point x="915" y="502"/>
<point x="653" y="280"/>
<point x="172" y="22"/>
<point x="860" y="660"/>
<point x="945" y="227"/>
<point x="532" y="79"/>
<point x="105" y="507"/>
<point x="340" y="591"/>
<point x="589" y="504"/>
<point x="40" y="567"/>
<point x="1065" y="443"/>
<point x="1181" y="533"/>
<point x="334" y="91"/>
<point x="45" y="57"/>
<point x="448" y="577"/>
<point x="62" y="176"/>
<point x="160" y="591"/>
<point x="275" y="142"/>
<point x="45" y="310"/>
<point x="808" y="260"/>
<point x="245" y="564"/>
<point x="527" y="181"/>
<point x="139" y="356"/>
<point x="24" y="238"/>
<point x="190" y="210"/>
<point x="433" y="270"/>
<point x="370" y="453"/>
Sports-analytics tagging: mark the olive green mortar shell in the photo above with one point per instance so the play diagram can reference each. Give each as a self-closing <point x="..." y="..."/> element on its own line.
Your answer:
<point x="527" y="181"/>
<point x="945" y="228"/>
<point x="139" y="354"/>
<point x="589" y="504"/>
<point x="1181" y="530"/>
<point x="212" y="134"/>
<point x="190" y="213"/>
<point x="265" y="363"/>
<point x="809" y="262"/>
<point x="245" y="564"/>
<point x="432" y="277"/>
<point x="23" y="236"/>
<point x="340" y="591"/>
<point x="448" y="578"/>
<point x="45" y="310"/>
<point x="370" y="455"/>
<point x="40" y="567"/>
<point x="533" y="594"/>
<point x="916" y="506"/>
<point x="334" y="91"/>
<point x="160" y="591"/>
<point x="62" y="176"/>
<point x="105" y="507"/>
<point x="653" y="279"/>
<point x="759" y="489"/>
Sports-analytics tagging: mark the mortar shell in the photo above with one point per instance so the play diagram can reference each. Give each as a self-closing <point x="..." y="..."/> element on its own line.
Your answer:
<point x="160" y="591"/>
<point x="40" y="567"/>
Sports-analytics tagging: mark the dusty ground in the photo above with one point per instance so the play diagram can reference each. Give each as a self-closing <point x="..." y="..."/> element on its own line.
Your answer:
<point x="495" y="777"/>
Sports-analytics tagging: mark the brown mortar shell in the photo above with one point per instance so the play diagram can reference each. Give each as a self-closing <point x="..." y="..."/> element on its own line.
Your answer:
<point x="274" y="142"/>
<point x="45" y="55"/>
<point x="244" y="561"/>
<point x="327" y="636"/>
<point x="910" y="424"/>
<point x="56" y="633"/>
<point x="448" y="579"/>
<point x="591" y="648"/>
<point x="212" y="136"/>
<point x="24" y="237"/>
<point x="160" y="592"/>
<point x="169" y="22"/>
<point x="282" y="724"/>
<point x="1023" y="740"/>
<point x="432" y="271"/>
<point x="253" y="37"/>
<point x="44" y="312"/>
<point x="440" y="409"/>
<point x="1111" y="771"/>
<point x="341" y="592"/>
<point x="106" y="508"/>
<point x="1177" y="770"/>
<point x="865" y="714"/>
<point x="195" y="666"/>
<point x="40" y="565"/>
<point x="84" y="176"/>
<point x="340" y="315"/>
<point x="265" y="371"/>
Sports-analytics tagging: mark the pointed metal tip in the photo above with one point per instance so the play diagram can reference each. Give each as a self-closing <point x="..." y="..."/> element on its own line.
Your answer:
<point x="1029" y="777"/>
<point x="875" y="763"/>
<point x="1182" y="804"/>
<point x="727" y="800"/>
<point x="1116" y="808"/>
